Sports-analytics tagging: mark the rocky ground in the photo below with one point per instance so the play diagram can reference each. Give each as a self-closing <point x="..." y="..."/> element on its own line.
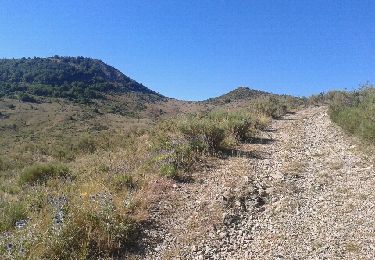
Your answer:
<point x="303" y="191"/>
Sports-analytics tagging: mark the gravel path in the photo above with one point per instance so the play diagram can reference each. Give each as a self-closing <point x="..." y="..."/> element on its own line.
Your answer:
<point x="302" y="192"/>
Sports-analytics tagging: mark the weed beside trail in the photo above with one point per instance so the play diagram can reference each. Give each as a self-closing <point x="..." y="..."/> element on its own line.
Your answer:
<point x="11" y="213"/>
<point x="355" y="112"/>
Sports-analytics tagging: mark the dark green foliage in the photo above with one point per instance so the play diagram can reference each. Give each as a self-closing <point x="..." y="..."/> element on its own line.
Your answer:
<point x="24" y="97"/>
<point x="76" y="78"/>
<point x="11" y="106"/>
<point x="3" y="115"/>
<point x="10" y="213"/>
<point x="43" y="172"/>
<point x="355" y="111"/>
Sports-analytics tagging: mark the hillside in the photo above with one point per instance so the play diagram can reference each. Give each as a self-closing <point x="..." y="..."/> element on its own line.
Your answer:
<point x="75" y="78"/>
<point x="89" y="173"/>
<point x="58" y="101"/>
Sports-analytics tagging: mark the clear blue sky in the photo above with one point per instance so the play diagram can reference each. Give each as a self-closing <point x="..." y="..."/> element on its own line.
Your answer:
<point x="196" y="49"/>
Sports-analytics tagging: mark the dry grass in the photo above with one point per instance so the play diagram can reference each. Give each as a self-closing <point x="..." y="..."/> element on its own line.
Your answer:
<point x="115" y="171"/>
<point x="336" y="166"/>
<point x="295" y="169"/>
<point x="352" y="247"/>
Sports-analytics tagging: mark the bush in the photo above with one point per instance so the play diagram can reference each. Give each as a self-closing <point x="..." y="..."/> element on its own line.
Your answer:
<point x="240" y="125"/>
<point x="11" y="106"/>
<point x="173" y="153"/>
<point x="354" y="112"/>
<point x="169" y="170"/>
<point x="203" y="133"/>
<point x="4" y="164"/>
<point x="10" y="213"/>
<point x="43" y="172"/>
<point x="92" y="230"/>
<point x="41" y="90"/>
<point x="273" y="106"/>
<point x="124" y="181"/>
<point x="86" y="145"/>
<point x="24" y="97"/>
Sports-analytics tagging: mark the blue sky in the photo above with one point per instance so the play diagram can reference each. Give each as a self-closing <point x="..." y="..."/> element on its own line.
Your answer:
<point x="203" y="48"/>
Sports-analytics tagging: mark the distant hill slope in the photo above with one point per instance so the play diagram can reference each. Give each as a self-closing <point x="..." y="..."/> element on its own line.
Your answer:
<point x="75" y="78"/>
<point x="239" y="94"/>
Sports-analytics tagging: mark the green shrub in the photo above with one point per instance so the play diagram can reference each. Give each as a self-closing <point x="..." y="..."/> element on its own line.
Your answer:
<point x="175" y="151"/>
<point x="43" y="172"/>
<point x="86" y="145"/>
<point x="203" y="132"/>
<point x="174" y="155"/>
<point x="354" y="111"/>
<point x="124" y="181"/>
<point x="63" y="153"/>
<point x="241" y="125"/>
<point x="10" y="213"/>
<point x="169" y="170"/>
<point x="41" y="90"/>
<point x="103" y="168"/>
<point x="91" y="231"/>
<point x="11" y="106"/>
<point x="24" y="97"/>
<point x="275" y="106"/>
<point x="3" y="115"/>
<point x="4" y="164"/>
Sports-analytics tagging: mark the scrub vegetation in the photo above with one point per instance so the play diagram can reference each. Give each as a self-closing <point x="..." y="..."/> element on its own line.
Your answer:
<point x="355" y="112"/>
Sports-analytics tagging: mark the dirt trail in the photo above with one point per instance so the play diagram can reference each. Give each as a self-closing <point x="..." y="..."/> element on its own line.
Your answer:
<point x="304" y="191"/>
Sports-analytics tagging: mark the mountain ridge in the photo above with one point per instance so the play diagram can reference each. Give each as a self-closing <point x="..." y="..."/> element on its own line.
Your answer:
<point x="83" y="78"/>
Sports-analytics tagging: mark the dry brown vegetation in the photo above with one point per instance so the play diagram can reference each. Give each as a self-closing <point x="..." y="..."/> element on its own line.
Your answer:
<point x="77" y="180"/>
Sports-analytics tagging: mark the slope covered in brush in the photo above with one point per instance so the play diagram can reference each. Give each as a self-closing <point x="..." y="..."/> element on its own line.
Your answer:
<point x="65" y="77"/>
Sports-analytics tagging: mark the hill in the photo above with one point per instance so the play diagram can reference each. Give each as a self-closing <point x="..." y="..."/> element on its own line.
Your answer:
<point x="75" y="78"/>
<point x="238" y="94"/>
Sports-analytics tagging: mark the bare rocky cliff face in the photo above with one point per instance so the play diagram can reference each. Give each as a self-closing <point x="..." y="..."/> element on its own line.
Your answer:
<point x="304" y="191"/>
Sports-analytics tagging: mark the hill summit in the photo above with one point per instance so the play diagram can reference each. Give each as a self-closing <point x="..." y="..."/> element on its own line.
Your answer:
<point x="240" y="93"/>
<point x="65" y="77"/>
